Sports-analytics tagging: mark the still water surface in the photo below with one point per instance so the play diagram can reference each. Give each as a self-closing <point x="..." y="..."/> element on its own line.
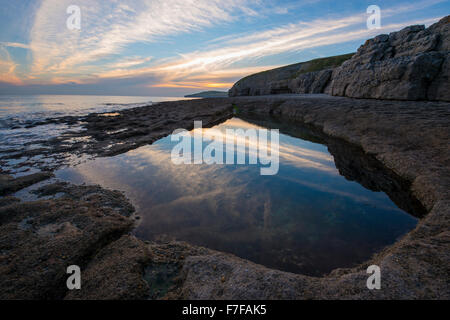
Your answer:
<point x="306" y="219"/>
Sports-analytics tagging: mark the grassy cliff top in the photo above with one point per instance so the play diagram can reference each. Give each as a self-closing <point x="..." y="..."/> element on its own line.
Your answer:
<point x="293" y="70"/>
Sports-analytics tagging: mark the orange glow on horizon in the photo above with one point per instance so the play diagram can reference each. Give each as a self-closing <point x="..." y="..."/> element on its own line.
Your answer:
<point x="193" y="85"/>
<point x="219" y="85"/>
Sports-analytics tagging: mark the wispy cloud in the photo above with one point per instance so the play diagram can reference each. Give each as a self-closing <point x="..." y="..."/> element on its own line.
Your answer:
<point x="8" y="68"/>
<point x="129" y="62"/>
<point x="15" y="45"/>
<point x="108" y="27"/>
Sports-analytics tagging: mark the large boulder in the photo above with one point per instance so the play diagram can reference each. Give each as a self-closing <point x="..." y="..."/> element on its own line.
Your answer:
<point x="411" y="64"/>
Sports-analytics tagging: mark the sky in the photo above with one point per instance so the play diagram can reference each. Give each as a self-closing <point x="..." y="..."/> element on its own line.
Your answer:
<point x="176" y="47"/>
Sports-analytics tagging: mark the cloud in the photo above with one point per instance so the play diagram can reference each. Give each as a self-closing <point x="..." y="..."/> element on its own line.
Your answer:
<point x="223" y="78"/>
<point x="193" y="85"/>
<point x="8" y="68"/>
<point x="109" y="26"/>
<point x="129" y="62"/>
<point x="15" y="45"/>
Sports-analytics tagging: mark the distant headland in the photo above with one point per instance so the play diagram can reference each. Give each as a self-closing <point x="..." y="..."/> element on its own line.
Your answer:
<point x="208" y="94"/>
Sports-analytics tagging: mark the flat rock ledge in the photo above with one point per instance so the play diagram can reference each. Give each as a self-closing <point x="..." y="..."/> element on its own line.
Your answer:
<point x="90" y="227"/>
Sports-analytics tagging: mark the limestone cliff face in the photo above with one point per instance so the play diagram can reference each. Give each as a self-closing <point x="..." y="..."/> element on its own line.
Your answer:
<point x="311" y="82"/>
<point x="305" y="77"/>
<point x="411" y="64"/>
<point x="268" y="82"/>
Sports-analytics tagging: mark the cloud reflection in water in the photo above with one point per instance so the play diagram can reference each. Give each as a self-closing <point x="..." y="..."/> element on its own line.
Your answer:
<point x="306" y="219"/>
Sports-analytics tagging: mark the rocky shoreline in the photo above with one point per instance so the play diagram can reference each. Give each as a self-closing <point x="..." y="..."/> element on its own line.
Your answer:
<point x="90" y="226"/>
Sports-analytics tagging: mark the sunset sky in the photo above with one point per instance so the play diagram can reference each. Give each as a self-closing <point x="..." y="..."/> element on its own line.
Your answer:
<point x="170" y="48"/>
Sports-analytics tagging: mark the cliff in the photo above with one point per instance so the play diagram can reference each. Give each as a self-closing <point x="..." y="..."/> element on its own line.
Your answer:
<point x="304" y="77"/>
<point x="411" y="64"/>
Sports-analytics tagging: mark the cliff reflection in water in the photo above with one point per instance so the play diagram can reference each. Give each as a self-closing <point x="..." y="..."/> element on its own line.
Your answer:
<point x="306" y="219"/>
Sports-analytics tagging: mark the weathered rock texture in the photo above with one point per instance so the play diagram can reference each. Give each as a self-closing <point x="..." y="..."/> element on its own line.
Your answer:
<point x="411" y="64"/>
<point x="39" y="240"/>
<point x="116" y="272"/>
<point x="311" y="82"/>
<point x="9" y="185"/>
